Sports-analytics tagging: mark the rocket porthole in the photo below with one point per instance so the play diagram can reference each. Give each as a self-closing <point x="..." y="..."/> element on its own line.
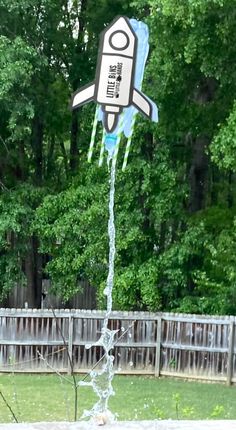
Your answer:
<point x="119" y="40"/>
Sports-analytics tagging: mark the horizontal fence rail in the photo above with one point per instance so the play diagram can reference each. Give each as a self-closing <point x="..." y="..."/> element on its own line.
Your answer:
<point x="189" y="346"/>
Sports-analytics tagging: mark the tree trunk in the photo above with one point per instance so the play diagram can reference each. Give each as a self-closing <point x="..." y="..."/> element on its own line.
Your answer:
<point x="74" y="142"/>
<point x="230" y="198"/>
<point x="33" y="271"/>
<point x="78" y="79"/>
<point x="198" y="174"/>
<point x="37" y="145"/>
<point x="162" y="236"/>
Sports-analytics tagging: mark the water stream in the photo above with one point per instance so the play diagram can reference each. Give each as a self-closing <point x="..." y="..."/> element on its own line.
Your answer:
<point x="101" y="380"/>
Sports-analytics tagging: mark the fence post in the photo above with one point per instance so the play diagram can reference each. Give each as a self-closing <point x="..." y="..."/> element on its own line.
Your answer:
<point x="158" y="348"/>
<point x="70" y="342"/>
<point x="230" y="352"/>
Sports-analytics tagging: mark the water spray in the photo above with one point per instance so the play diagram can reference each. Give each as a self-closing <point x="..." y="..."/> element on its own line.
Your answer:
<point x="121" y="61"/>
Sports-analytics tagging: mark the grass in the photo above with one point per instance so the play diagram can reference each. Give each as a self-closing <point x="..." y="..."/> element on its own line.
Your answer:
<point x="46" y="398"/>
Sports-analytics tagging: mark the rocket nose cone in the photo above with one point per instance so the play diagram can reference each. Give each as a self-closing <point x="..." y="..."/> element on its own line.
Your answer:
<point x="122" y="24"/>
<point x="121" y="21"/>
<point x="119" y="36"/>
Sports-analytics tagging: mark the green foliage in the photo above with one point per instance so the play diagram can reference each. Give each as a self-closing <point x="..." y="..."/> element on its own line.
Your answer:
<point x="160" y="414"/>
<point x="17" y="211"/>
<point x="224" y="144"/>
<point x="16" y="65"/>
<point x="72" y="228"/>
<point x="218" y="412"/>
<point x="176" y="399"/>
<point x="169" y="256"/>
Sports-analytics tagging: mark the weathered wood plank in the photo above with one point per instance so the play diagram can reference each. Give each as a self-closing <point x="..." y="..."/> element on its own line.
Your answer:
<point x="70" y="345"/>
<point x="78" y="313"/>
<point x="192" y="347"/>
<point x="62" y="313"/>
<point x="158" y="348"/>
<point x="230" y="353"/>
<point x="32" y="342"/>
<point x="155" y="343"/>
<point x="216" y="378"/>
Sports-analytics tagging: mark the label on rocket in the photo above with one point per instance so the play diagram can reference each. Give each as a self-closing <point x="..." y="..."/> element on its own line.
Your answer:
<point x="115" y="80"/>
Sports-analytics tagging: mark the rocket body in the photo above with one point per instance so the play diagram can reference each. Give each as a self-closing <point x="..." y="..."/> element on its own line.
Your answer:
<point x="116" y="66"/>
<point x="115" y="70"/>
<point x="113" y="87"/>
<point x="117" y="88"/>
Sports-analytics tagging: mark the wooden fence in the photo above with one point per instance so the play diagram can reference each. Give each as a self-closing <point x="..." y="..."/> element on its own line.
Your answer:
<point x="189" y="346"/>
<point x="18" y="297"/>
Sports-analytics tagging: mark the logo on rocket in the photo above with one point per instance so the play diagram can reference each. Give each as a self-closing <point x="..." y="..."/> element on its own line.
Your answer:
<point x="113" y="87"/>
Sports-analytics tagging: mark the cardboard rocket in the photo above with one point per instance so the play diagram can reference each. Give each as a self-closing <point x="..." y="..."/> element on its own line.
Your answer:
<point x="113" y="87"/>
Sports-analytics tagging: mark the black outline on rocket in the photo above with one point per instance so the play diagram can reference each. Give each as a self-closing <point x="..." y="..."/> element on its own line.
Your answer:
<point x="118" y="42"/>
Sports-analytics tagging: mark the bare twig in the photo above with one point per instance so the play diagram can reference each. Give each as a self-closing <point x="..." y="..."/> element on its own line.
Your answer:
<point x="115" y="343"/>
<point x="9" y="407"/>
<point x="75" y="385"/>
<point x="3" y="186"/>
<point x="4" y="143"/>
<point x="65" y="343"/>
<point x="52" y="368"/>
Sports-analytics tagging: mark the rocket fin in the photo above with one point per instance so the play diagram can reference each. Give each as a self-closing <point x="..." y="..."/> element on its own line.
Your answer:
<point x="141" y="102"/>
<point x="82" y="96"/>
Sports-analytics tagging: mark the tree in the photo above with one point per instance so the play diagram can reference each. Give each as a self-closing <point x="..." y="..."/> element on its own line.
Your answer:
<point x="44" y="58"/>
<point x="175" y="203"/>
<point x="195" y="44"/>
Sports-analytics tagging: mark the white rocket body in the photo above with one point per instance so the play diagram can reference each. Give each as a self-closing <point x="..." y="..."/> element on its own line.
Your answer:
<point x="113" y="87"/>
<point x="116" y="70"/>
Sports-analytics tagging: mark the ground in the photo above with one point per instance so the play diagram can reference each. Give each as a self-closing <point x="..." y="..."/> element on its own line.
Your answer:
<point x="136" y="399"/>
<point x="128" y="425"/>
